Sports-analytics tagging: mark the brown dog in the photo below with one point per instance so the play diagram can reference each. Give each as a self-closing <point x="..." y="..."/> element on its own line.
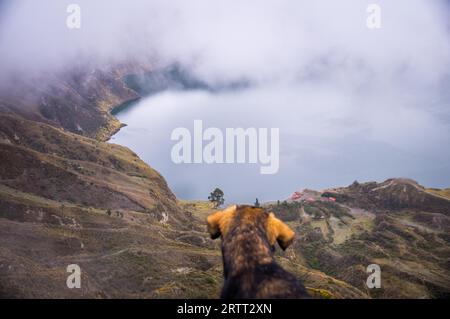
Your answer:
<point x="248" y="243"/>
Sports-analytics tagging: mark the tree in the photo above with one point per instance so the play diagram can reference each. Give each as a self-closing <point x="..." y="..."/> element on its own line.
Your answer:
<point x="216" y="197"/>
<point x="257" y="203"/>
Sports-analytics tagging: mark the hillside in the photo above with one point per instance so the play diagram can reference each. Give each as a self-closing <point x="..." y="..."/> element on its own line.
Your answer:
<point x="383" y="223"/>
<point x="78" y="100"/>
<point x="66" y="197"/>
<point x="393" y="194"/>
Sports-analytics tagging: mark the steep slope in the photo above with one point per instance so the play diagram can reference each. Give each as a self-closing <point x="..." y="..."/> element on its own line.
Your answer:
<point x="396" y="224"/>
<point x="67" y="199"/>
<point x="79" y="99"/>
<point x="45" y="161"/>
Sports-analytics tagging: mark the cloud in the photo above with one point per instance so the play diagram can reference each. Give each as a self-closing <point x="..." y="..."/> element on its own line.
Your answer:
<point x="260" y="40"/>
<point x="389" y="85"/>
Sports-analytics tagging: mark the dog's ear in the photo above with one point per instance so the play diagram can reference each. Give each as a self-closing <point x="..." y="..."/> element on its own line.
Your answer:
<point x="219" y="221"/>
<point x="279" y="231"/>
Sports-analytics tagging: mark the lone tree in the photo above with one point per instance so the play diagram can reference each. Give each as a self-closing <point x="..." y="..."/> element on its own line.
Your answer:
<point x="216" y="197"/>
<point x="257" y="203"/>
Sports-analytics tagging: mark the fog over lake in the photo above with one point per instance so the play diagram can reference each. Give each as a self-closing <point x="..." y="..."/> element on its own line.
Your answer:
<point x="329" y="136"/>
<point x="353" y="99"/>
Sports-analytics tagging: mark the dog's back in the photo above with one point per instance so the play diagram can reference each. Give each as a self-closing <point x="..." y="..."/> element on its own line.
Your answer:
<point x="248" y="238"/>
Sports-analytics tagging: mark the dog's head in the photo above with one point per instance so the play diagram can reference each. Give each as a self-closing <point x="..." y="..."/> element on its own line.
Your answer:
<point x="220" y="222"/>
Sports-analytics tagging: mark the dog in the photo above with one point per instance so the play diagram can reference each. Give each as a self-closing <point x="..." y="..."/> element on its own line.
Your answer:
<point x="248" y="244"/>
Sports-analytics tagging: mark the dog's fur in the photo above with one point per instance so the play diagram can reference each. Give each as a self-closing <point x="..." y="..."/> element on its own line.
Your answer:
<point x="248" y="244"/>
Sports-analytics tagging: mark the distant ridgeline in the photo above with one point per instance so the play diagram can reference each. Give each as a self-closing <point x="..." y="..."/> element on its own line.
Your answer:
<point x="175" y="77"/>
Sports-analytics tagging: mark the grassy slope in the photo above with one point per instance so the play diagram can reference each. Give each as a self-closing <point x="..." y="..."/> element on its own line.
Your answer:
<point x="134" y="256"/>
<point x="411" y="246"/>
<point x="69" y="199"/>
<point x="440" y="192"/>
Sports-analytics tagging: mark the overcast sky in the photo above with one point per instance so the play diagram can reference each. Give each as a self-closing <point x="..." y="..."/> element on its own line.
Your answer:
<point x="391" y="84"/>
<point x="256" y="39"/>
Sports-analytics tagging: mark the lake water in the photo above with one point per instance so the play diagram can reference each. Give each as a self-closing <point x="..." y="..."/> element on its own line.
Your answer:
<point x="327" y="139"/>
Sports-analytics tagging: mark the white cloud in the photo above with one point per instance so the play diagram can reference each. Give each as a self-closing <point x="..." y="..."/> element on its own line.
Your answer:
<point x="318" y="56"/>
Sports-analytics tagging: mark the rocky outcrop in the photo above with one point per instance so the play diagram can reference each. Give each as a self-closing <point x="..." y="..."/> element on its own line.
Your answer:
<point x="392" y="194"/>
